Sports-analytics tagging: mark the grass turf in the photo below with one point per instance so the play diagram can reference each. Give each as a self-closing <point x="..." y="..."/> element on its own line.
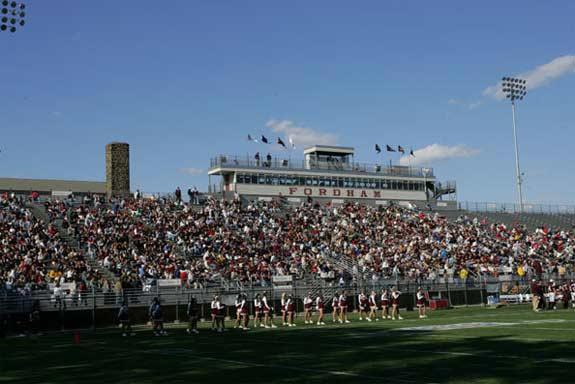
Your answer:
<point x="521" y="347"/>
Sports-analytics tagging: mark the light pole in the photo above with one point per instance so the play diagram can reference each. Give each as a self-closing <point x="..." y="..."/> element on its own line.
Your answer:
<point x="515" y="89"/>
<point x="12" y="15"/>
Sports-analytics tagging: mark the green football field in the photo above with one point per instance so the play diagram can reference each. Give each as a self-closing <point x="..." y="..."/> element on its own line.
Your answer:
<point x="465" y="345"/>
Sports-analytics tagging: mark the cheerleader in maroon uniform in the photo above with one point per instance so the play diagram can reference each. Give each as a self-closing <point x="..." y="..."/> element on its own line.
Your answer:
<point x="284" y="311"/>
<point x="238" y="305"/>
<point x="385" y="299"/>
<point x="258" y="312"/>
<point x="268" y="322"/>
<point x="420" y="295"/>
<point x="372" y="307"/>
<point x="244" y="312"/>
<point x="572" y="287"/>
<point x="214" y="311"/>
<point x="343" y="308"/>
<point x="290" y="310"/>
<point x="395" y="304"/>
<point x="334" y="306"/>
<point x="319" y="308"/>
<point x="362" y="303"/>
<point x="307" y="303"/>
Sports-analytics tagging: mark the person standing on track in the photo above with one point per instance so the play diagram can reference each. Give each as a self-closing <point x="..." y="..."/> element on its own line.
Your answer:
<point x="307" y="307"/>
<point x="124" y="319"/>
<point x="362" y="303"/>
<point x="283" y="302"/>
<point x="157" y="317"/>
<point x="420" y="296"/>
<point x="268" y="316"/>
<point x="258" y="311"/>
<point x="238" y="305"/>
<point x="372" y="307"/>
<point x="192" y="312"/>
<point x="290" y="310"/>
<point x="319" y="308"/>
<point x="214" y="312"/>
<point x="334" y="306"/>
<point x="343" y="308"/>
<point x="395" y="304"/>
<point x="385" y="299"/>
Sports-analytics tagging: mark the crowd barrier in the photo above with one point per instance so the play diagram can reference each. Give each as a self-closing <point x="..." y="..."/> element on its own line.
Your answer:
<point x="99" y="309"/>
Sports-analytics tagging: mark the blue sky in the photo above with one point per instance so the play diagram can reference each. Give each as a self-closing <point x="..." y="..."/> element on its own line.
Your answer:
<point x="184" y="80"/>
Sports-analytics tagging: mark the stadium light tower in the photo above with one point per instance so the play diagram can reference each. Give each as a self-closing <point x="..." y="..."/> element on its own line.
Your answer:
<point x="12" y="15"/>
<point x="515" y="89"/>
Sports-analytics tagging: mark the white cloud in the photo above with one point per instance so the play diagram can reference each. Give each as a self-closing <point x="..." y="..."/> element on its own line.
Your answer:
<point x="301" y="136"/>
<point x="193" y="171"/>
<point x="467" y="104"/>
<point x="540" y="76"/>
<point x="436" y="152"/>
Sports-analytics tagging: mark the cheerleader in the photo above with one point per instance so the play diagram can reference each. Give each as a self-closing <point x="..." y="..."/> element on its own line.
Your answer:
<point x="214" y="306"/>
<point x="290" y="310"/>
<point x="319" y="308"/>
<point x="334" y="306"/>
<point x="258" y="311"/>
<point x="372" y="307"/>
<point x="268" y="322"/>
<point x="238" y="304"/>
<point x="245" y="316"/>
<point x="343" y="308"/>
<point x="307" y="303"/>
<point x="395" y="304"/>
<point x="551" y="296"/>
<point x="362" y="303"/>
<point x="284" y="311"/>
<point x="385" y="304"/>
<point x="572" y="287"/>
<point x="421" y="303"/>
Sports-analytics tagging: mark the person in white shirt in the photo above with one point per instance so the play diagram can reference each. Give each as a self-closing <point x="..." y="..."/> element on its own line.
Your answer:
<point x="372" y="306"/>
<point x="395" y="304"/>
<point x="421" y="303"/>
<point x="267" y="309"/>
<point x="319" y="308"/>
<point x="307" y="307"/>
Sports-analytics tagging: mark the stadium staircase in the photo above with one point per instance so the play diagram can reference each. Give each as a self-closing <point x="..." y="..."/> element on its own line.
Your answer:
<point x="39" y="211"/>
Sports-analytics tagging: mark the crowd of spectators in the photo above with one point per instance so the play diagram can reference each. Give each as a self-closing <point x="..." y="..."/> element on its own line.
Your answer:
<point x="142" y="240"/>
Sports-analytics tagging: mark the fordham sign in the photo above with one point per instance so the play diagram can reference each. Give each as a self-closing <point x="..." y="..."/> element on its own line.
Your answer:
<point x="334" y="192"/>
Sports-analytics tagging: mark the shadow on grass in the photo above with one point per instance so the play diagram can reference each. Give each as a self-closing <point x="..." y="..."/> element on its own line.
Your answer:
<point x="302" y="355"/>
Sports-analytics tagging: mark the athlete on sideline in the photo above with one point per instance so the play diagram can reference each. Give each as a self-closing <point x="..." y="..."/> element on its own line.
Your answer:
<point x="124" y="318"/>
<point x="258" y="311"/>
<point x="385" y="304"/>
<point x="362" y="303"/>
<point x="284" y="310"/>
<point x="343" y="308"/>
<point x="319" y="308"/>
<point x="238" y="305"/>
<point x="192" y="316"/>
<point x="307" y="306"/>
<point x="214" y="311"/>
<point x="421" y="303"/>
<point x="290" y="310"/>
<point x="395" y="304"/>
<point x="268" y="321"/>
<point x="334" y="306"/>
<point x="245" y="315"/>
<point x="372" y="307"/>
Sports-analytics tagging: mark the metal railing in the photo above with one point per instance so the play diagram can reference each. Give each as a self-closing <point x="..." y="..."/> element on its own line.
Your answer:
<point x="515" y="208"/>
<point x="98" y="309"/>
<point x="274" y="163"/>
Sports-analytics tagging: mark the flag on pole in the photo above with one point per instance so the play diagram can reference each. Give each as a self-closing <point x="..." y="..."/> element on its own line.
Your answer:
<point x="377" y="148"/>
<point x="280" y="142"/>
<point x="264" y="139"/>
<point x="290" y="139"/>
<point x="389" y="149"/>
<point x="250" y="138"/>
<point x="411" y="153"/>
<point x="400" y="149"/>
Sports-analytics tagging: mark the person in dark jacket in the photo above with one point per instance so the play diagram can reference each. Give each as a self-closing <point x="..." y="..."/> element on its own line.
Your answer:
<point x="192" y="316"/>
<point x="157" y="318"/>
<point x="124" y="319"/>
